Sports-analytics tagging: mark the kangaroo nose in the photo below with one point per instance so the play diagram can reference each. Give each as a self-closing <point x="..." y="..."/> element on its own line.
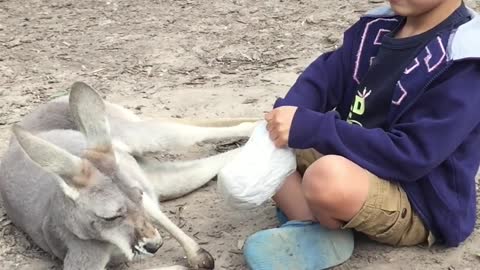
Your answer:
<point x="152" y="247"/>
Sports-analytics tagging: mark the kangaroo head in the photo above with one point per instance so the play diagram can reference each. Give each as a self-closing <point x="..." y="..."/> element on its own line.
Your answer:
<point x="99" y="201"/>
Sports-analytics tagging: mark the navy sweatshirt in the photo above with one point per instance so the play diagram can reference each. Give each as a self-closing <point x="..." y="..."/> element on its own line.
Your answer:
<point x="394" y="55"/>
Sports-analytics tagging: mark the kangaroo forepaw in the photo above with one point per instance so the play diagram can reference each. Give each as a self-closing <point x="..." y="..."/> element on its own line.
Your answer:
<point x="202" y="260"/>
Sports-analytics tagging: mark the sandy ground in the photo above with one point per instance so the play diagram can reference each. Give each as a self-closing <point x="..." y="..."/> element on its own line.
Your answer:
<point x="181" y="58"/>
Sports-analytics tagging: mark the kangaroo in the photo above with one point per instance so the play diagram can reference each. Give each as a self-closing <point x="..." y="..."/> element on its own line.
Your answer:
<point x="74" y="179"/>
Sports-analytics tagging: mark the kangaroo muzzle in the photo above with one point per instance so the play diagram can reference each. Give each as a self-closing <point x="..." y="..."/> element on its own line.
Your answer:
<point x="148" y="237"/>
<point x="149" y="246"/>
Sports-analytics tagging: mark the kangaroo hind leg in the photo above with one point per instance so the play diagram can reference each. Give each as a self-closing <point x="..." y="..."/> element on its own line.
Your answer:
<point x="177" y="178"/>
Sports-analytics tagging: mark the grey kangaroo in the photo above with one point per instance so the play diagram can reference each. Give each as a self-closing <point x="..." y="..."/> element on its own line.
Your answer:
<point x="73" y="178"/>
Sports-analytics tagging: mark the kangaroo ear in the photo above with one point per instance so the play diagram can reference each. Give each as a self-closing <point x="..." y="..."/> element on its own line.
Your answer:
<point x="53" y="159"/>
<point x="88" y="112"/>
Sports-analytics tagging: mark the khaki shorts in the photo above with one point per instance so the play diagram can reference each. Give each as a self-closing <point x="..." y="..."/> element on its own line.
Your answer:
<point x="386" y="215"/>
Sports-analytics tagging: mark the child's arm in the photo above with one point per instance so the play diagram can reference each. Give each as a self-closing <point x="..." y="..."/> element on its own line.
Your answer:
<point x="423" y="138"/>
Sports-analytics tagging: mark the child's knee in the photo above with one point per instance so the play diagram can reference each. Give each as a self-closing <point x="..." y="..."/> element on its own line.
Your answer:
<point x="322" y="181"/>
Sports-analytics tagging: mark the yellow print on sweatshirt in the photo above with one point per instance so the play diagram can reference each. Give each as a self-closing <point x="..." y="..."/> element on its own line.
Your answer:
<point x="358" y="106"/>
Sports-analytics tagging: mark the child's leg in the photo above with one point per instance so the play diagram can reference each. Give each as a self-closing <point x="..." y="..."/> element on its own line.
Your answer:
<point x="299" y="243"/>
<point x="306" y="201"/>
<point x="340" y="193"/>
<point x="335" y="189"/>
<point x="291" y="200"/>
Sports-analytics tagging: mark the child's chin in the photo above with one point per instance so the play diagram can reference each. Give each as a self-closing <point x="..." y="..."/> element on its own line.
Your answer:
<point x="402" y="11"/>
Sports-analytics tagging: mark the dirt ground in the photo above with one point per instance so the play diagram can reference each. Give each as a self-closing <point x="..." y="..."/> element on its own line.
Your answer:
<point x="182" y="58"/>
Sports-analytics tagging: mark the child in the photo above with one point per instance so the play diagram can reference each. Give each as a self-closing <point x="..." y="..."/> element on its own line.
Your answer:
<point x="388" y="137"/>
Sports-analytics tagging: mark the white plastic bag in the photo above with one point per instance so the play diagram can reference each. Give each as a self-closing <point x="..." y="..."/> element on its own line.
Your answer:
<point x="257" y="172"/>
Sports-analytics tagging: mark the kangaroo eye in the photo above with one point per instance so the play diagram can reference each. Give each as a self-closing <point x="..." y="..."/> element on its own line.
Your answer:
<point x="119" y="214"/>
<point x="111" y="219"/>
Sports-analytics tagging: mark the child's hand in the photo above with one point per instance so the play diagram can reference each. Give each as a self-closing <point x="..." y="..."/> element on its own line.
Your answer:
<point x="279" y="122"/>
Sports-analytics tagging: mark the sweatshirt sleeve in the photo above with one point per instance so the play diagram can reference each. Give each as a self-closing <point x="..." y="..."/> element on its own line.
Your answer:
<point x="427" y="133"/>
<point x="320" y="87"/>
